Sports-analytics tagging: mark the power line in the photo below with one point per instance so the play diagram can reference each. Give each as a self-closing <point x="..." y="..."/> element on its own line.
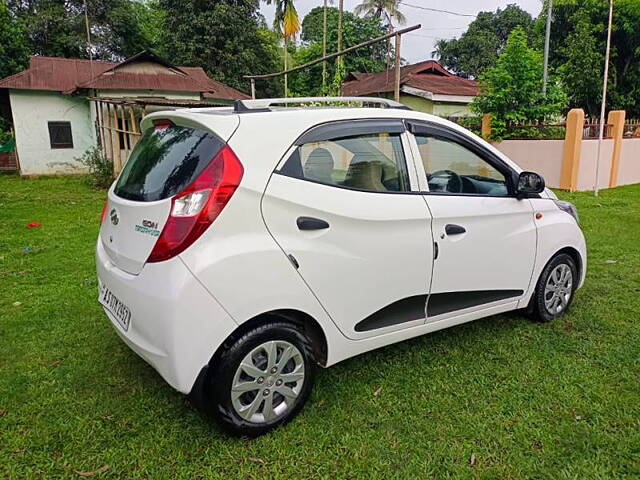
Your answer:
<point x="438" y="10"/>
<point x="424" y="36"/>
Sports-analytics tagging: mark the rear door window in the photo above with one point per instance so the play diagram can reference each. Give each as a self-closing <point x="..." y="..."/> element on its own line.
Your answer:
<point x="372" y="162"/>
<point x="165" y="161"/>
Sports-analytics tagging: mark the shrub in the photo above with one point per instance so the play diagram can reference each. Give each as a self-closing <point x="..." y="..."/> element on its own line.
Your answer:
<point x="5" y="131"/>
<point x="100" y="167"/>
<point x="511" y="91"/>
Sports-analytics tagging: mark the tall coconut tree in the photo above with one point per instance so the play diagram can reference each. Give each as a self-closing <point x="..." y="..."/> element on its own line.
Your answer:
<point x="287" y="23"/>
<point x="379" y="8"/>
<point x="389" y="9"/>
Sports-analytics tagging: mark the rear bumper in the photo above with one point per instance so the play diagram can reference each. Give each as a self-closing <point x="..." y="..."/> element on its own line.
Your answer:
<point x="176" y="325"/>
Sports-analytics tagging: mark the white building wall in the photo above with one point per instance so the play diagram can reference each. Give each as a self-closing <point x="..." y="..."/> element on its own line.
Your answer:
<point x="31" y="110"/>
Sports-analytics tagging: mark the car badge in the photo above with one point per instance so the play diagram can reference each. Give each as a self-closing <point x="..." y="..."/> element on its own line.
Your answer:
<point x="114" y="216"/>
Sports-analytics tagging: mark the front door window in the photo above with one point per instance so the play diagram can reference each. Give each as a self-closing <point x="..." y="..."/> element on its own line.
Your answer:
<point x="452" y="168"/>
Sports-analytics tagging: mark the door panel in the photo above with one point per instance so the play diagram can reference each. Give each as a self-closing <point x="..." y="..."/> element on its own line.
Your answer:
<point x="376" y="252"/>
<point x="486" y="238"/>
<point x="497" y="250"/>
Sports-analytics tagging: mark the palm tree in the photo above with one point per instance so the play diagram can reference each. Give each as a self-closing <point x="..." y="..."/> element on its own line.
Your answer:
<point x="287" y="22"/>
<point x="378" y="8"/>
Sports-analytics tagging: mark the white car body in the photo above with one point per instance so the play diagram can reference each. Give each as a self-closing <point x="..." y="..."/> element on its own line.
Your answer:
<point x="379" y="249"/>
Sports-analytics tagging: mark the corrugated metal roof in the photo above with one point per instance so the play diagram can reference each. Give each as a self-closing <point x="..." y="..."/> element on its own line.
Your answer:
<point x="69" y="74"/>
<point x="429" y="76"/>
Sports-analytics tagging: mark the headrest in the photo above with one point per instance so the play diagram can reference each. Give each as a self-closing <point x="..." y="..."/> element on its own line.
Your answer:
<point x="319" y="166"/>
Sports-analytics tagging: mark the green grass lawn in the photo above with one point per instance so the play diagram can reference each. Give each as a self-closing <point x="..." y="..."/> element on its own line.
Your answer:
<point x="523" y="400"/>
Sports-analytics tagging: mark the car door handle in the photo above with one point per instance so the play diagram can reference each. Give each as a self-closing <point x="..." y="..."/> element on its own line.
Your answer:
<point x="451" y="229"/>
<point x="310" y="223"/>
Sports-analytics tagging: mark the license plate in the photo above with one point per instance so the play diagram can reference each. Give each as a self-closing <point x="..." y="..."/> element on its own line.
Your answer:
<point x="119" y="310"/>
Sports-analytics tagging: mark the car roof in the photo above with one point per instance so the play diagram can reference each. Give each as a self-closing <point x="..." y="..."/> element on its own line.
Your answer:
<point x="296" y="120"/>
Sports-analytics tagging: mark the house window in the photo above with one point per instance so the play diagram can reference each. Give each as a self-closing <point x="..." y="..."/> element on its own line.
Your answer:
<point x="60" y="135"/>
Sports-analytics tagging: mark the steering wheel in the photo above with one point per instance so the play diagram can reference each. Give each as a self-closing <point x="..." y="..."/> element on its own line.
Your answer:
<point x="453" y="182"/>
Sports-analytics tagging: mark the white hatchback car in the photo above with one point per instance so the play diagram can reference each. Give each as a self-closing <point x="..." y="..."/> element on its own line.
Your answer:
<point x="240" y="247"/>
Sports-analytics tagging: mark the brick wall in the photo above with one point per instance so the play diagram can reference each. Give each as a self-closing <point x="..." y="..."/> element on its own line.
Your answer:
<point x="8" y="162"/>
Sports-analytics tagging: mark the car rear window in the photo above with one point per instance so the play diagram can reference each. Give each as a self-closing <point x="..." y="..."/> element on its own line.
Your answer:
<point x="165" y="161"/>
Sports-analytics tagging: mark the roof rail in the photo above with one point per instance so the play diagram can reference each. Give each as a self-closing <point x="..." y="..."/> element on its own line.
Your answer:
<point x="265" y="104"/>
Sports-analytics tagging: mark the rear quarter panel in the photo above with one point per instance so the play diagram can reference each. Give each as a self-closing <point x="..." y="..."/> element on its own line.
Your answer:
<point x="237" y="260"/>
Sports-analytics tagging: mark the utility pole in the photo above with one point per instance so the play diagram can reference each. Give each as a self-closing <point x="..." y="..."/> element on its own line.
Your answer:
<point x="547" y="38"/>
<point x="396" y="88"/>
<point x="324" y="48"/>
<point x="339" y="59"/>
<point x="604" y="96"/>
<point x="86" y="23"/>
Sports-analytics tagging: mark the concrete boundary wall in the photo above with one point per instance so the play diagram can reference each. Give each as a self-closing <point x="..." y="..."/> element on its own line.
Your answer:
<point x="629" y="166"/>
<point x="570" y="164"/>
<point x="540" y="156"/>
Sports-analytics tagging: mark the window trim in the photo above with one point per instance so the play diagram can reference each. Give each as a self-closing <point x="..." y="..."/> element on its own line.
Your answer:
<point x="60" y="123"/>
<point x="345" y="128"/>
<point x="350" y="128"/>
<point x="417" y="127"/>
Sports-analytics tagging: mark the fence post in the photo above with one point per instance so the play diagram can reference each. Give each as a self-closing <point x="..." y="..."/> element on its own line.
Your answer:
<point x="616" y="119"/>
<point x="572" y="149"/>
<point x="486" y="126"/>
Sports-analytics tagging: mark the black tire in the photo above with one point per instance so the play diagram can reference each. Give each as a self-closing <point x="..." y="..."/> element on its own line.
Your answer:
<point x="225" y="369"/>
<point x="537" y="309"/>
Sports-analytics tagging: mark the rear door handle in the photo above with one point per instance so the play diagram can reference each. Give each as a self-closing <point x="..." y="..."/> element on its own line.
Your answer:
<point x="451" y="229"/>
<point x="310" y="223"/>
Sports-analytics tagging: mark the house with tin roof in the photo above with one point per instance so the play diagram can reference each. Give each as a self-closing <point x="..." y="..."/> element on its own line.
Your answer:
<point x="426" y="86"/>
<point x="61" y="107"/>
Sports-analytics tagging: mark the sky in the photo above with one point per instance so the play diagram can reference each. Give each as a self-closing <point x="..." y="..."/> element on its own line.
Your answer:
<point x="419" y="44"/>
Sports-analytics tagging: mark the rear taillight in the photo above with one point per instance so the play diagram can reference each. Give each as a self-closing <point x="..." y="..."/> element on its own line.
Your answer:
<point x="198" y="205"/>
<point x="104" y="212"/>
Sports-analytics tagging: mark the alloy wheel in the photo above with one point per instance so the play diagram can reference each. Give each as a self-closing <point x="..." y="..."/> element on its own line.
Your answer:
<point x="558" y="289"/>
<point x="268" y="381"/>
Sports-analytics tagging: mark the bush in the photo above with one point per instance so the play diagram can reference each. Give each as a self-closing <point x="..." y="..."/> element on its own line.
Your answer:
<point x="5" y="131"/>
<point x="100" y="167"/>
<point x="5" y="136"/>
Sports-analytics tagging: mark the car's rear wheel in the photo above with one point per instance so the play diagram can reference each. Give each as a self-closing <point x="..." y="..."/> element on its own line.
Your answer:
<point x="555" y="289"/>
<point x="262" y="379"/>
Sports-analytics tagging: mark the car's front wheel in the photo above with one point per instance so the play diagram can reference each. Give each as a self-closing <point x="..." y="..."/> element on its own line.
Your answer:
<point x="262" y="379"/>
<point x="555" y="288"/>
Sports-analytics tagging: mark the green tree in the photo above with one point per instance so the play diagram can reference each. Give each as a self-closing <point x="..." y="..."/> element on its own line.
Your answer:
<point x="479" y="46"/>
<point x="57" y="27"/>
<point x="14" y="47"/>
<point x="222" y="36"/>
<point x="581" y="68"/>
<point x="151" y="17"/>
<point x="356" y="30"/>
<point x="511" y="91"/>
<point x="578" y="39"/>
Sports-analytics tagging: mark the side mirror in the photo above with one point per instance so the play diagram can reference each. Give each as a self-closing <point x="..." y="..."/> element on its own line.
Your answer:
<point x="530" y="182"/>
